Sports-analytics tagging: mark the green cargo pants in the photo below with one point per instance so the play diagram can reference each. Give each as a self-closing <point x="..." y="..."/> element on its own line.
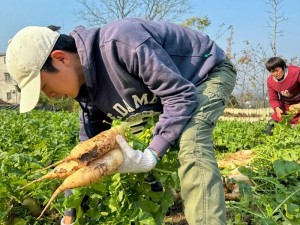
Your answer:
<point x="201" y="184"/>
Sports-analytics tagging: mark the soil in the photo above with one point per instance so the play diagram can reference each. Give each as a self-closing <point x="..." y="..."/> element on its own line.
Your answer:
<point x="175" y="214"/>
<point x="176" y="219"/>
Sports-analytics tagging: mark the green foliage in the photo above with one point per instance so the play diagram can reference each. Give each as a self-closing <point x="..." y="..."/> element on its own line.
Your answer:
<point x="197" y="23"/>
<point x="64" y="103"/>
<point x="274" y="196"/>
<point x="34" y="140"/>
<point x="231" y="136"/>
<point x="29" y="142"/>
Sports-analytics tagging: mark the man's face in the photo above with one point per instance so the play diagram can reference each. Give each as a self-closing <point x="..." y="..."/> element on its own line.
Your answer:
<point x="278" y="73"/>
<point x="67" y="81"/>
<point x="58" y="84"/>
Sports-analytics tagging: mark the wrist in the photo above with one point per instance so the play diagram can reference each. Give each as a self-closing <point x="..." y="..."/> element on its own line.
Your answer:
<point x="156" y="156"/>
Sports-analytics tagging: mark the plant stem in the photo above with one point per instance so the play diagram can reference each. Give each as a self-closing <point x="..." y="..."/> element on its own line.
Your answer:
<point x="278" y="207"/>
<point x="163" y="171"/>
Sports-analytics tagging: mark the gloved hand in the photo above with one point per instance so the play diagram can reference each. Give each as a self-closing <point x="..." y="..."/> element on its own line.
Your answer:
<point x="135" y="161"/>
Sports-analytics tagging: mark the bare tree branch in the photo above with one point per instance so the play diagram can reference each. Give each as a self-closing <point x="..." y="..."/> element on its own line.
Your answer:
<point x="99" y="12"/>
<point x="275" y="20"/>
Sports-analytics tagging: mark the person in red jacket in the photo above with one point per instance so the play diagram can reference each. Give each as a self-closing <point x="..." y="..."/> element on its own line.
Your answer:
<point x="283" y="89"/>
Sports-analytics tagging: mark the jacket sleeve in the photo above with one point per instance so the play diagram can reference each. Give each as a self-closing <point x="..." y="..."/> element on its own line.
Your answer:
<point x="274" y="100"/>
<point x="178" y="95"/>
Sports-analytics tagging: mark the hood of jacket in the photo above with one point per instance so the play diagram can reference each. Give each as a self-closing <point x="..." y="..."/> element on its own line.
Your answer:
<point x="85" y="39"/>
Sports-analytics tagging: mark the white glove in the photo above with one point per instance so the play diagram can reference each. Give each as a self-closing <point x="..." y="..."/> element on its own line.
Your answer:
<point x="135" y="161"/>
<point x="62" y="222"/>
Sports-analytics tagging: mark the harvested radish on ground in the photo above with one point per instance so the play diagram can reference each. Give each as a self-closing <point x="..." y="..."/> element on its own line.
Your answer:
<point x="86" y="151"/>
<point x="93" y="172"/>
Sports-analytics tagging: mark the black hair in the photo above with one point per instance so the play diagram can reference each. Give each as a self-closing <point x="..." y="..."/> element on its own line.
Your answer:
<point x="275" y="62"/>
<point x="64" y="42"/>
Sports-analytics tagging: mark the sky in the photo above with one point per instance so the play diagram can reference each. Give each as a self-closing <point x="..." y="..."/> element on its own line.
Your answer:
<point x="249" y="19"/>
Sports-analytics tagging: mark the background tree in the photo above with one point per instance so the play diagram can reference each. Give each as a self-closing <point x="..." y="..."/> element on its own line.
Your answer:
<point x="197" y="23"/>
<point x="250" y="62"/>
<point x="252" y="74"/>
<point x="250" y="90"/>
<point x="274" y="20"/>
<point x="102" y="11"/>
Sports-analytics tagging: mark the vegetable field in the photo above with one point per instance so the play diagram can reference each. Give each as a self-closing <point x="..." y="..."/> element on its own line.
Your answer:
<point x="269" y="195"/>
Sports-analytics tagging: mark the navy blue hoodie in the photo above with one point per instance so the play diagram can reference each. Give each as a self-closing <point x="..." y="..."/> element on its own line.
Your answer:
<point x="135" y="67"/>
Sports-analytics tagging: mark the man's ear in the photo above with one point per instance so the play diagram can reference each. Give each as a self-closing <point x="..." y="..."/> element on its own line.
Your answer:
<point x="58" y="55"/>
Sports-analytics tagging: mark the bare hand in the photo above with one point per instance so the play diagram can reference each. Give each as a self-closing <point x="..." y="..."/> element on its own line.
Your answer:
<point x="295" y="107"/>
<point x="279" y="112"/>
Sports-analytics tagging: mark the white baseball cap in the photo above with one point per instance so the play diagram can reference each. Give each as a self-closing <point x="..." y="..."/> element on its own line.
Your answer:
<point x="26" y="54"/>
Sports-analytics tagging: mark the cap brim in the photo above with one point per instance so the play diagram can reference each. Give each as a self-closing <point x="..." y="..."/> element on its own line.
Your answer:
<point x="30" y="94"/>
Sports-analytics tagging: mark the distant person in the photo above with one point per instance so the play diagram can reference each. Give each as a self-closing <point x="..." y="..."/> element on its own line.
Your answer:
<point x="283" y="89"/>
<point x="130" y="69"/>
